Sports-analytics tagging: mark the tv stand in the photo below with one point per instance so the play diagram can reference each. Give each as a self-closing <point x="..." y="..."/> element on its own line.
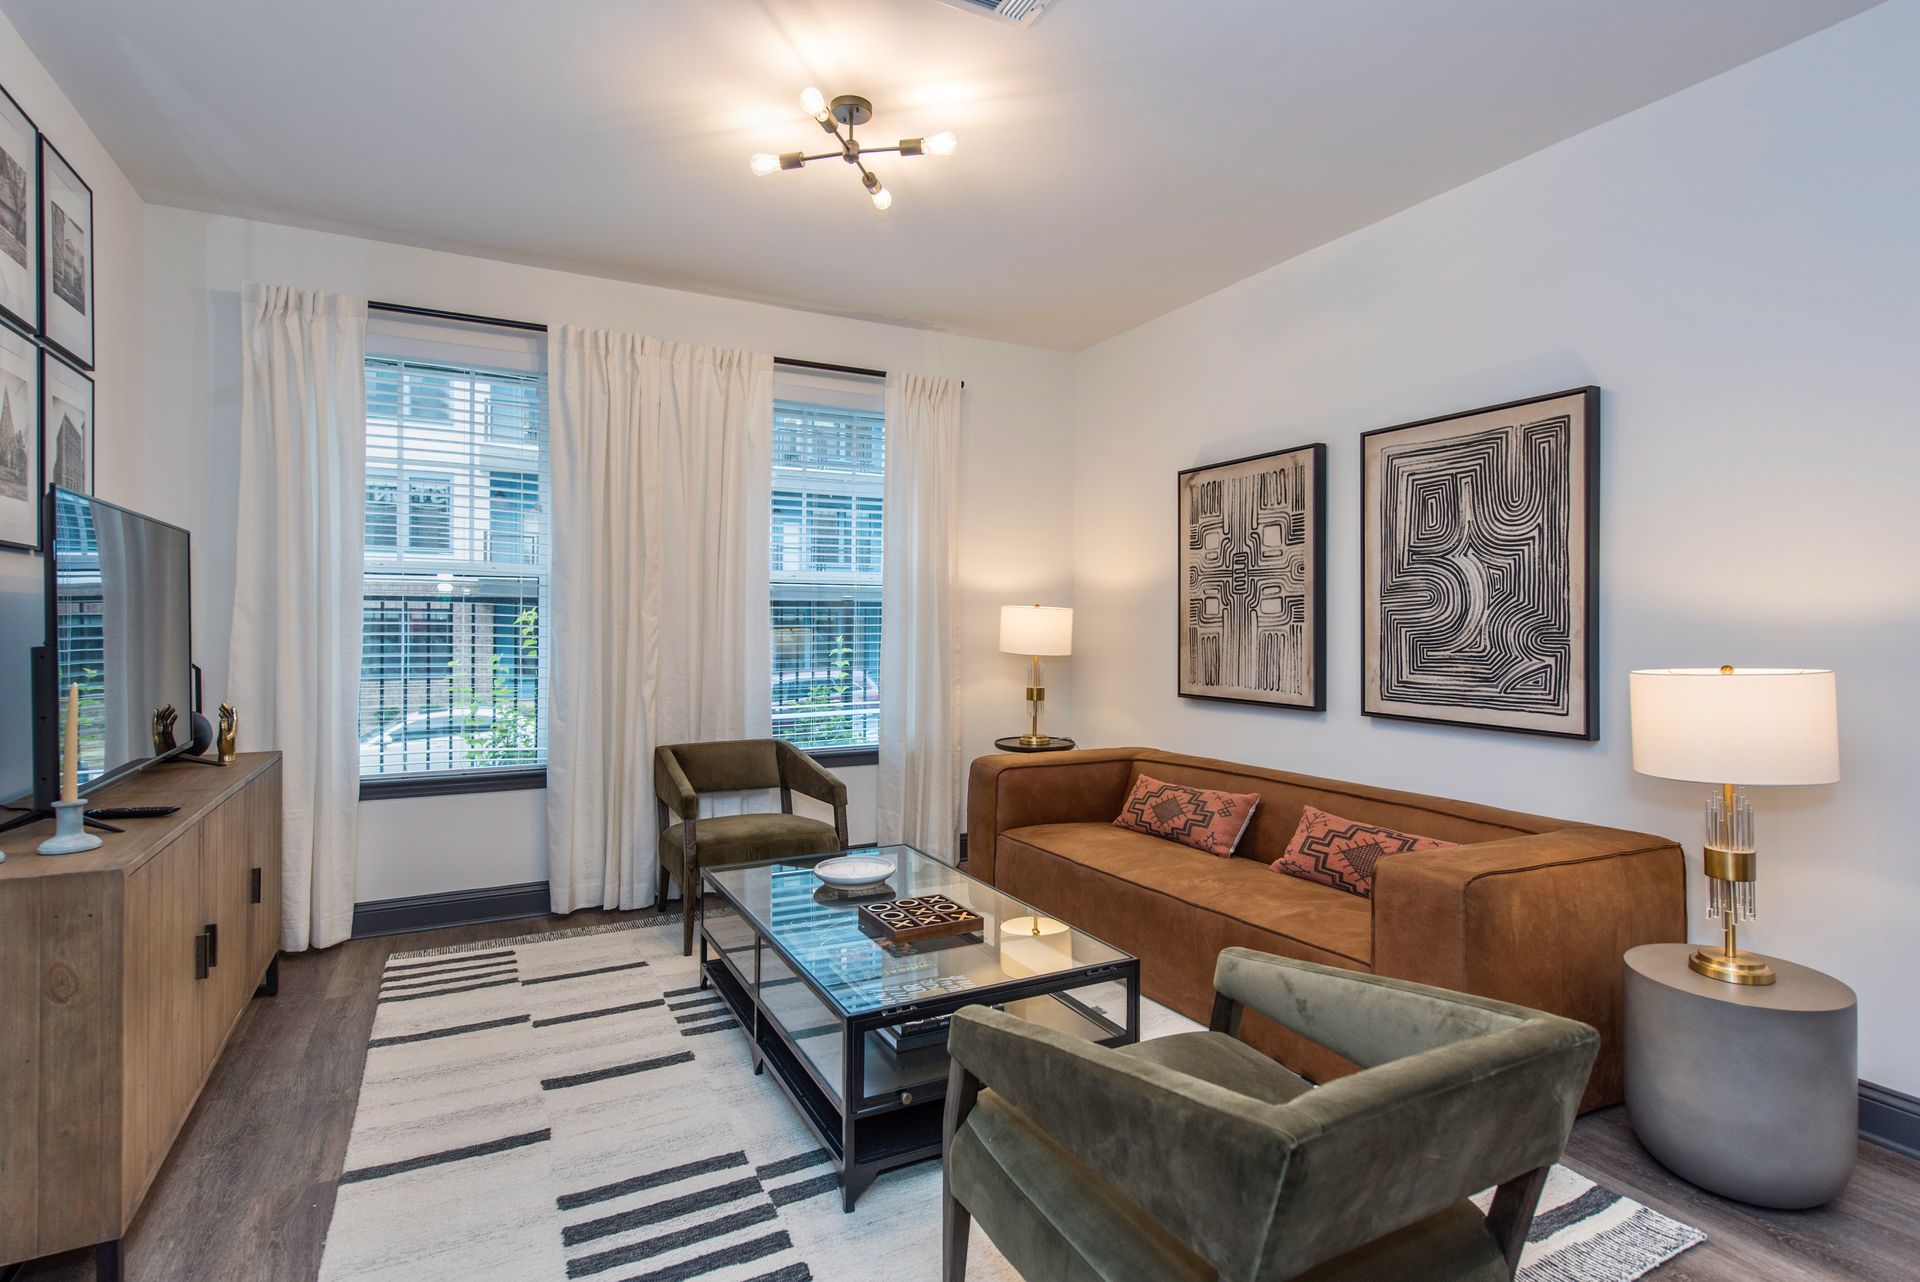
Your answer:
<point x="123" y="972"/>
<point x="200" y="761"/>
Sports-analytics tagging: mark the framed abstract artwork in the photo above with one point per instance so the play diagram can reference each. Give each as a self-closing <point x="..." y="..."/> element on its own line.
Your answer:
<point x="20" y="469"/>
<point x="19" y="216"/>
<point x="66" y="424"/>
<point x="66" y="268"/>
<point x="1479" y="567"/>
<point x="1252" y="580"/>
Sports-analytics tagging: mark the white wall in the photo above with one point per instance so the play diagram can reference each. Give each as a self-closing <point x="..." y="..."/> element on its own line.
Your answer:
<point x="1738" y="268"/>
<point x="118" y="392"/>
<point x="1015" y="524"/>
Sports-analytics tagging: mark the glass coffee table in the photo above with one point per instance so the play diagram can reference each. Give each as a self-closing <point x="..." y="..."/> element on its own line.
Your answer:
<point x="854" y="1028"/>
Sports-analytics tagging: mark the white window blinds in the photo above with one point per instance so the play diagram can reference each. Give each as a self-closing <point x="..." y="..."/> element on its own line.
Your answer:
<point x="457" y="555"/>
<point x="824" y="561"/>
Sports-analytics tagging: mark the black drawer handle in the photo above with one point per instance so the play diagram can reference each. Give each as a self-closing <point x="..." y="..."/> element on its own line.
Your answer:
<point x="200" y="955"/>
<point x="213" y="944"/>
<point x="253" y="884"/>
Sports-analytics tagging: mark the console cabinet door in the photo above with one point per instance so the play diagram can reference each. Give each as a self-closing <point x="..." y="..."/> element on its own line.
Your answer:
<point x="225" y="877"/>
<point x="161" y="1063"/>
<point x="263" y="851"/>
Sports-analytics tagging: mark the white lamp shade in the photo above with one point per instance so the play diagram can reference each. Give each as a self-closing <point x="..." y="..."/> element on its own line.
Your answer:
<point x="1036" y="629"/>
<point x="1749" y="726"/>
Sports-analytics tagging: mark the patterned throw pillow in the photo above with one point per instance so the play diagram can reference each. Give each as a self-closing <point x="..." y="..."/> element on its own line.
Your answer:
<point x="1342" y="853"/>
<point x="1198" y="817"/>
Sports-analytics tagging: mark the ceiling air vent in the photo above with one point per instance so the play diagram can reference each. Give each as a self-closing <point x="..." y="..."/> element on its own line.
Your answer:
<point x="1023" y="12"/>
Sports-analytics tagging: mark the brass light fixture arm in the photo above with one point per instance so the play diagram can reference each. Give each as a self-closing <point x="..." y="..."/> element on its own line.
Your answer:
<point x="847" y="113"/>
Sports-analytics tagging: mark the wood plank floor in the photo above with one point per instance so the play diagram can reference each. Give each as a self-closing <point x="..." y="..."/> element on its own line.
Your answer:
<point x="248" y="1190"/>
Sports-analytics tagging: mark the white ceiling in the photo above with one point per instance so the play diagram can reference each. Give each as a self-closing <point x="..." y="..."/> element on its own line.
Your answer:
<point x="1116" y="160"/>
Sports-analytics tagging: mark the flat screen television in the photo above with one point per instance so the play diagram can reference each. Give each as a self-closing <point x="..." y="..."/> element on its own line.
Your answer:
<point x="118" y="626"/>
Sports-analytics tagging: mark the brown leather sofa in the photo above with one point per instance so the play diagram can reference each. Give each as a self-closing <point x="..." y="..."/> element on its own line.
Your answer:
<point x="1522" y="909"/>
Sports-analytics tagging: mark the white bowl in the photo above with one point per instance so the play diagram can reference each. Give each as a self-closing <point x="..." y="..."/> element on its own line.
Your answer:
<point x="850" y="872"/>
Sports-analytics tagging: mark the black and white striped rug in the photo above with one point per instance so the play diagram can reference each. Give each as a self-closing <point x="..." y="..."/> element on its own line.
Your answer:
<point x="574" y="1106"/>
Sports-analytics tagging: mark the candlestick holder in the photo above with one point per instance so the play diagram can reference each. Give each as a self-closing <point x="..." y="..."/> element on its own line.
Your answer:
<point x="70" y="835"/>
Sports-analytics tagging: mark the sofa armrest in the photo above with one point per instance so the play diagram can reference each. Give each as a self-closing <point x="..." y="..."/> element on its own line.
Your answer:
<point x="1540" y="920"/>
<point x="1015" y="789"/>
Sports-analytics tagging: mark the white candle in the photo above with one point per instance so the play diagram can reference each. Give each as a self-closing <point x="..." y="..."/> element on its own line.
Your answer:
<point x="70" y="761"/>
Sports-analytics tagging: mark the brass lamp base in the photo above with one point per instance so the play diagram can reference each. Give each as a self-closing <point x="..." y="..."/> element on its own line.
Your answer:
<point x="1730" y="968"/>
<point x="1035" y="740"/>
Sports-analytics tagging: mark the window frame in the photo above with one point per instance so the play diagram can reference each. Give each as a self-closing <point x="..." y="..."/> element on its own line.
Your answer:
<point x="477" y="489"/>
<point x="858" y="572"/>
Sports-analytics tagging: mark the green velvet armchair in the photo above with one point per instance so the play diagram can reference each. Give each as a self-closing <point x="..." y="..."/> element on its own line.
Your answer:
<point x="683" y="772"/>
<point x="1194" y="1157"/>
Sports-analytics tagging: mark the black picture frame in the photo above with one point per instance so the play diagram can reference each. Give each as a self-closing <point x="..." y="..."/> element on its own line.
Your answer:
<point x="52" y="366"/>
<point x="20" y="429"/>
<point x="1582" y="555"/>
<point x="59" y="288"/>
<point x="1313" y="458"/>
<point x="19" y="216"/>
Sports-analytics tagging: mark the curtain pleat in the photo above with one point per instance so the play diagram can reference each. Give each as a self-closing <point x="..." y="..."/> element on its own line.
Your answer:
<point x="295" y="642"/>
<point x="662" y="464"/>
<point x="918" y="788"/>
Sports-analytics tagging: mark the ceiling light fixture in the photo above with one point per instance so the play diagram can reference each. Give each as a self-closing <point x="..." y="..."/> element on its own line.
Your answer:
<point x="847" y="112"/>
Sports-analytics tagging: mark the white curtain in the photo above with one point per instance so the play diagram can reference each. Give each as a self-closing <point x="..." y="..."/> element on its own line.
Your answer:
<point x="919" y="777"/>
<point x="295" y="666"/>
<point x="662" y="466"/>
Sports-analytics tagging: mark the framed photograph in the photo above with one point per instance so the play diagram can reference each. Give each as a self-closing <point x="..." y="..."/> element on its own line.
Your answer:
<point x="20" y="469"/>
<point x="1253" y="562"/>
<point x="66" y="424"/>
<point x="66" y="225"/>
<point x="19" y="216"/>
<point x="1480" y="568"/>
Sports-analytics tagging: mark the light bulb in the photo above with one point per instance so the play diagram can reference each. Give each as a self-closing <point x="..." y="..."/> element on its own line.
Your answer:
<point x="882" y="198"/>
<point x="941" y="144"/>
<point x="815" y="102"/>
<point x="764" y="164"/>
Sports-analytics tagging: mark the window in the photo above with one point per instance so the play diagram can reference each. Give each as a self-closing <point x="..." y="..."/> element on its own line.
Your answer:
<point x="452" y="678"/>
<point x="824" y="562"/>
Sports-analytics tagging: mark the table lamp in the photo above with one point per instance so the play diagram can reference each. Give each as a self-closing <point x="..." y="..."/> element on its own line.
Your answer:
<point x="1036" y="630"/>
<point x="1734" y="727"/>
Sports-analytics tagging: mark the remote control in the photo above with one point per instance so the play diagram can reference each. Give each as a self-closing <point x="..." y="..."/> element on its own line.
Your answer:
<point x="131" y="812"/>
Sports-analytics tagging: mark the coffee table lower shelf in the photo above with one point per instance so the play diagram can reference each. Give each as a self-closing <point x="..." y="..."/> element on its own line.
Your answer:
<point x="888" y="1133"/>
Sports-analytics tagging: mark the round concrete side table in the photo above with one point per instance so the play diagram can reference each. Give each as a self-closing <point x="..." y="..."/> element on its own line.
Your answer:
<point x="1749" y="1092"/>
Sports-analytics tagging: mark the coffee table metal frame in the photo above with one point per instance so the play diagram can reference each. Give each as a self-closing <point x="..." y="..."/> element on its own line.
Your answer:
<point x="866" y="1135"/>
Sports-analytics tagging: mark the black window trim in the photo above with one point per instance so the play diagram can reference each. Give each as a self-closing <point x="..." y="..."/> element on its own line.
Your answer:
<point x="850" y="756"/>
<point x="445" y="784"/>
<point x="387" y="787"/>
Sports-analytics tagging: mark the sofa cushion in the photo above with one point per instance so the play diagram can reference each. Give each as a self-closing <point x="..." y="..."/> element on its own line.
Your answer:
<point x="1205" y="818"/>
<point x="1237" y="890"/>
<point x="1342" y="852"/>
<point x="1176" y="909"/>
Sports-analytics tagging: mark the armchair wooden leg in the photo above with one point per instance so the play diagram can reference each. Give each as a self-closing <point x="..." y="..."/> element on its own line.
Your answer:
<point x="954" y="1225"/>
<point x="689" y="886"/>
<point x="1226" y="1016"/>
<point x="963" y="1088"/>
<point x="1511" y="1215"/>
<point x="660" y="900"/>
